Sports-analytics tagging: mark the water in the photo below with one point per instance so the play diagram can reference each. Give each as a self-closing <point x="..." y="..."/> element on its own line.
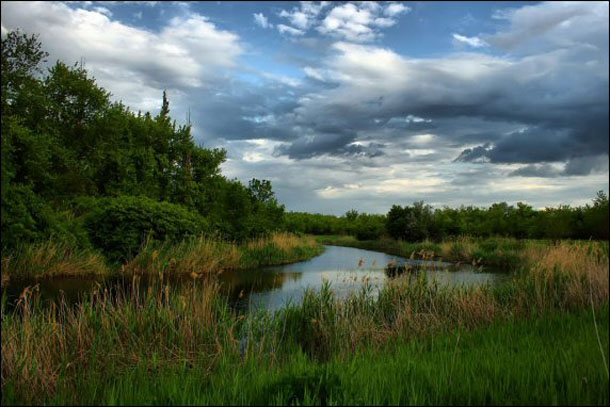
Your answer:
<point x="346" y="269"/>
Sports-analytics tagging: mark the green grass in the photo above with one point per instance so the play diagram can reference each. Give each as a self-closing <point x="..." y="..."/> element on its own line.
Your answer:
<point x="495" y="253"/>
<point x="531" y="340"/>
<point x="552" y="359"/>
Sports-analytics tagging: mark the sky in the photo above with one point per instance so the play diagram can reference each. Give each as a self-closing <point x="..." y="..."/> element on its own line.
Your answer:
<point x="362" y="105"/>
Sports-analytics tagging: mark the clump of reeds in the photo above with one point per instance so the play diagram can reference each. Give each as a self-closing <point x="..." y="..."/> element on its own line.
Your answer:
<point x="52" y="258"/>
<point x="47" y="347"/>
<point x="196" y="256"/>
<point x="205" y="255"/>
<point x="565" y="275"/>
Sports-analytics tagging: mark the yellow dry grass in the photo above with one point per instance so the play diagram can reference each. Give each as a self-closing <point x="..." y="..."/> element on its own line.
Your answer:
<point x="49" y="258"/>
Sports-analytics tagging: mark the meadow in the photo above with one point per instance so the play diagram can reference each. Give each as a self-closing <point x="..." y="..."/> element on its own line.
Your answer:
<point x="414" y="343"/>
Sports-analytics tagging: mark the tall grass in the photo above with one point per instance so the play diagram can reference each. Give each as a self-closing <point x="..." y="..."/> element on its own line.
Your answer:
<point x="496" y="253"/>
<point x="52" y="258"/>
<point x="187" y="346"/>
<point x="203" y="255"/>
<point x="197" y="256"/>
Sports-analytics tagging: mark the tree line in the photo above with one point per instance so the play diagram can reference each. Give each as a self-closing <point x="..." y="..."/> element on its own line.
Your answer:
<point x="79" y="167"/>
<point x="419" y="221"/>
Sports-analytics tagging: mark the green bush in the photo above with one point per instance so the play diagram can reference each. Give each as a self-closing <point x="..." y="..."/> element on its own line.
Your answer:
<point x="27" y="218"/>
<point x="118" y="226"/>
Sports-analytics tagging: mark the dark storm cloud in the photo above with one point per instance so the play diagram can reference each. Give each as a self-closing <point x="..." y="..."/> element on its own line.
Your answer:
<point x="535" y="170"/>
<point x="474" y="154"/>
<point x="578" y="166"/>
<point x="586" y="165"/>
<point x="556" y="88"/>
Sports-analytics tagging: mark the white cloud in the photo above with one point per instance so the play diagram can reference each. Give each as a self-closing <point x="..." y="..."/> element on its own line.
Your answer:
<point x="349" y="22"/>
<point x="394" y="9"/>
<point x="285" y="29"/>
<point x="313" y="8"/>
<point x="261" y="20"/>
<point x="304" y="16"/>
<point x="384" y="22"/>
<point x="358" y="22"/>
<point x="297" y="18"/>
<point x="474" y="42"/>
<point x="134" y="63"/>
<point x="561" y="24"/>
<point x="103" y="10"/>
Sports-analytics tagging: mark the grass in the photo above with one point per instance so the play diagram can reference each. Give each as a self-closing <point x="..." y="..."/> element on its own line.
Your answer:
<point x="415" y="342"/>
<point x="495" y="253"/>
<point x="52" y="259"/>
<point x="194" y="256"/>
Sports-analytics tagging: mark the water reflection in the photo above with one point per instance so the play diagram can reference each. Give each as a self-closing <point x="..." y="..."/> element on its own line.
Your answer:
<point x="346" y="269"/>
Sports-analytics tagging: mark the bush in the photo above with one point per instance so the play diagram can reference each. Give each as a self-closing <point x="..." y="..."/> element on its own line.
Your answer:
<point x="118" y="226"/>
<point x="369" y="230"/>
<point x="27" y="218"/>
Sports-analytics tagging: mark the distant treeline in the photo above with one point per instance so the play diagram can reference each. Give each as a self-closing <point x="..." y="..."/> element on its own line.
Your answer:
<point x="419" y="221"/>
<point x="79" y="168"/>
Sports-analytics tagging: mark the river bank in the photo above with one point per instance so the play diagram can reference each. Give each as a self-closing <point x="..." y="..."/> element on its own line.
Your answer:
<point x="491" y="254"/>
<point x="163" y="345"/>
<point x="196" y="257"/>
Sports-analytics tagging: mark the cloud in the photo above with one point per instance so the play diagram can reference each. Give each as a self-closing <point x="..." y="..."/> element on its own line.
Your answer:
<point x="474" y="42"/>
<point x="558" y="105"/>
<point x="536" y="170"/>
<point x="578" y="166"/>
<point x="358" y="22"/>
<point x="262" y="21"/>
<point x="302" y="17"/>
<point x="134" y="63"/>
<point x="285" y="29"/>
<point x="554" y="24"/>
<point x="587" y="165"/>
<point x="394" y="9"/>
<point x="103" y="10"/>
<point x="313" y="8"/>
<point x="297" y="18"/>
<point x="349" y="22"/>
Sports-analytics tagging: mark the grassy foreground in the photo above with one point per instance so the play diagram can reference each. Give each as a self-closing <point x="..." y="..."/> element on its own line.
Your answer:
<point x="194" y="256"/>
<point x="532" y="340"/>
<point x="497" y="252"/>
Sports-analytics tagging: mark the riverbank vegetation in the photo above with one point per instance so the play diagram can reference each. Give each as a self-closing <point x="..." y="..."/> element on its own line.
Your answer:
<point x="418" y="222"/>
<point x="163" y="345"/>
<point x="196" y="256"/>
<point x="489" y="254"/>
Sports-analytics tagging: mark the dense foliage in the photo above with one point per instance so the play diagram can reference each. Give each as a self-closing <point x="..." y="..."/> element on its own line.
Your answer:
<point x="419" y="221"/>
<point x="119" y="225"/>
<point x="67" y="149"/>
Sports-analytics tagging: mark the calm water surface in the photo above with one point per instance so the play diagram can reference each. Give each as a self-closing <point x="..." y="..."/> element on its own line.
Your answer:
<point x="346" y="269"/>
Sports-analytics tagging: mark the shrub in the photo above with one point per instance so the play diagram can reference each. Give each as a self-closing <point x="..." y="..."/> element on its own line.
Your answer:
<point x="118" y="226"/>
<point x="27" y="218"/>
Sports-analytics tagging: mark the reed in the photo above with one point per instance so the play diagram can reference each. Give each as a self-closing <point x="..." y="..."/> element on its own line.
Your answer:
<point x="52" y="258"/>
<point x="495" y="253"/>
<point x="195" y="257"/>
<point x="203" y="255"/>
<point x="159" y="344"/>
